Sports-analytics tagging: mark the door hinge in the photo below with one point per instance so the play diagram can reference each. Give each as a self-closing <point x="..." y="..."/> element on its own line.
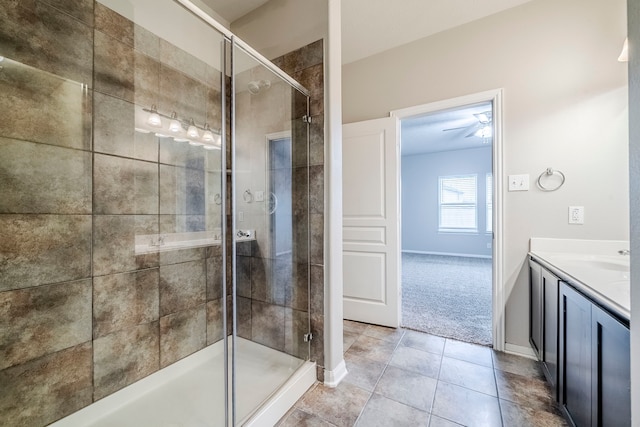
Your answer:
<point x="306" y="119"/>
<point x="307" y="337"/>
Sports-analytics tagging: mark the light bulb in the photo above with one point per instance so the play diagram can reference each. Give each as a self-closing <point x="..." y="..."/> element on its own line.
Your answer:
<point x="192" y="131"/>
<point x="484" y="132"/>
<point x="207" y="135"/>
<point x="175" y="125"/>
<point x="154" y="118"/>
<point x="624" y="55"/>
<point x="211" y="147"/>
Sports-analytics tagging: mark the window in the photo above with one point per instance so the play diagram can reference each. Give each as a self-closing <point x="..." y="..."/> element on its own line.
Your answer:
<point x="489" y="193"/>
<point x="458" y="204"/>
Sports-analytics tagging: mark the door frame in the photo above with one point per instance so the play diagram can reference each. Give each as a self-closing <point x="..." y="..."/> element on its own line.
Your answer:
<point x="495" y="96"/>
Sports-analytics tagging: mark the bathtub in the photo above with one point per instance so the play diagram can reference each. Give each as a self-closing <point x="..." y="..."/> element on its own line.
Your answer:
<point x="190" y="392"/>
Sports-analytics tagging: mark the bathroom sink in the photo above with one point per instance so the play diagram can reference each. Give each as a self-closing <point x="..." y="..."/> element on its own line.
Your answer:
<point x="610" y="265"/>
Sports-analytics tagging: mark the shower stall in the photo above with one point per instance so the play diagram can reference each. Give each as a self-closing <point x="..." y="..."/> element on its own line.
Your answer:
<point x="154" y="220"/>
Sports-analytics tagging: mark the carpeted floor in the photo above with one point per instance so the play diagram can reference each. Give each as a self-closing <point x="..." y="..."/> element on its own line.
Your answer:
<point x="447" y="296"/>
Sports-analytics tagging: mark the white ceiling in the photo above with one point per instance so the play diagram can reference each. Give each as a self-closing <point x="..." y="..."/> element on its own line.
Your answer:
<point x="427" y="134"/>
<point x="373" y="26"/>
<point x="233" y="9"/>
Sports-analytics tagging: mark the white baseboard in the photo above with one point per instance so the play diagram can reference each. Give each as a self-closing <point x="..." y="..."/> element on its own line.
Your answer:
<point x="519" y="350"/>
<point x="407" y="251"/>
<point x="334" y="377"/>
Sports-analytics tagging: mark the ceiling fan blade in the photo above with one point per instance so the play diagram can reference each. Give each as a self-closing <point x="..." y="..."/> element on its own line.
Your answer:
<point x="461" y="127"/>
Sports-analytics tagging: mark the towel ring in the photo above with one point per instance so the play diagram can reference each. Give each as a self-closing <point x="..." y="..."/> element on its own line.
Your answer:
<point x="247" y="196"/>
<point x="547" y="173"/>
<point x="217" y="199"/>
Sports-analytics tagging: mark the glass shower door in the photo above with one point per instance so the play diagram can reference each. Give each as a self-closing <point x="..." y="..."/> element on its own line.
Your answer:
<point x="270" y="223"/>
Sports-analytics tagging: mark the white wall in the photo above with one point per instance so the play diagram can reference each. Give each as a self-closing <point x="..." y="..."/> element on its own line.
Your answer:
<point x="282" y="26"/>
<point x="420" y="209"/>
<point x="565" y="106"/>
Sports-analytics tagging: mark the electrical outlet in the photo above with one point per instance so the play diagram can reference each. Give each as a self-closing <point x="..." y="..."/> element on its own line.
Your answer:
<point x="519" y="182"/>
<point x="240" y="216"/>
<point x="576" y="214"/>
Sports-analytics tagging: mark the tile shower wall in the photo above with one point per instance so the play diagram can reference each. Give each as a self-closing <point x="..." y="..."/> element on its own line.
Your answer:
<point x="81" y="314"/>
<point x="306" y="65"/>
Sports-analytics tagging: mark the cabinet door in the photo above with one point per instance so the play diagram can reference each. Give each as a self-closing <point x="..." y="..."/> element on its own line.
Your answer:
<point x="575" y="355"/>
<point x="611" y="371"/>
<point x="550" y="326"/>
<point x="535" y="307"/>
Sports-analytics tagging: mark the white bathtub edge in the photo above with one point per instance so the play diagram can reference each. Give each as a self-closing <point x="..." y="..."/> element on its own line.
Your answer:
<point x="279" y="404"/>
<point x="103" y="407"/>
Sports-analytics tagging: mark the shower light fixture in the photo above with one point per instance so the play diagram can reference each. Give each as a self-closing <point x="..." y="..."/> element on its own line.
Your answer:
<point x="175" y="125"/>
<point x="624" y="55"/>
<point x="211" y="137"/>
<point x="192" y="130"/>
<point x="154" y="118"/>
<point x="207" y="135"/>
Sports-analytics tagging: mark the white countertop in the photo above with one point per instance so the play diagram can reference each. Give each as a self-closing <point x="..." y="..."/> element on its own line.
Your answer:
<point x="592" y="266"/>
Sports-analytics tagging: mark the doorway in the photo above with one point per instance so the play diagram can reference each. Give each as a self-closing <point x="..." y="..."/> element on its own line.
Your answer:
<point x="450" y="204"/>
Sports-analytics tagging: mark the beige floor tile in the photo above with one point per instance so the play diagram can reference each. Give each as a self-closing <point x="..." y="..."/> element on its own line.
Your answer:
<point x="393" y="335"/>
<point x="424" y="342"/>
<point x="341" y="405"/>
<point x="383" y="412"/>
<point x="298" y="418"/>
<point x="467" y="407"/>
<point x="517" y="365"/>
<point x="407" y="387"/>
<point x="468" y="375"/>
<point x="473" y="353"/>
<point x="421" y="362"/>
<point x="372" y="348"/>
<point x="531" y="392"/>
<point x="521" y="416"/>
<point x="363" y="372"/>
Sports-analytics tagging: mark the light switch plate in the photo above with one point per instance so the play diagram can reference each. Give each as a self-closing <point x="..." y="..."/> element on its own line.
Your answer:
<point x="260" y="196"/>
<point x="519" y="182"/>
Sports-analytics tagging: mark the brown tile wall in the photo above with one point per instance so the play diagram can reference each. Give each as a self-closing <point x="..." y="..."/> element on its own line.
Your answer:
<point x="306" y="65"/>
<point x="81" y="314"/>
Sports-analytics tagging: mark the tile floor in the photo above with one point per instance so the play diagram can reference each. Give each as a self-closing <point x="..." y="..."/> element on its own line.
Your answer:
<point x="399" y="377"/>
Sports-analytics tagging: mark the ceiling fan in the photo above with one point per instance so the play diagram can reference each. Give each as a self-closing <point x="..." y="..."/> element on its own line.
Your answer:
<point x="482" y="128"/>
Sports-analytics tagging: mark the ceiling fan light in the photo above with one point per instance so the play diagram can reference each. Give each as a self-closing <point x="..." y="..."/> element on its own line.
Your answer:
<point x="484" y="132"/>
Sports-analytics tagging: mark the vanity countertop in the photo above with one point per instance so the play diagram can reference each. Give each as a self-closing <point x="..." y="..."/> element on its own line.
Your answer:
<point x="594" y="267"/>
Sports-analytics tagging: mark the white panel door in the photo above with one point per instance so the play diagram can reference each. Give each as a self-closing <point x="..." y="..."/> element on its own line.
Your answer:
<point x="371" y="229"/>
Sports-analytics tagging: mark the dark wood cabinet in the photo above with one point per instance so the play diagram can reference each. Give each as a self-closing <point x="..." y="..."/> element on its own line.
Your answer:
<point x="575" y="356"/>
<point x="544" y="318"/>
<point x="535" y="307"/>
<point x="610" y="370"/>
<point x="584" y="350"/>
<point x="550" y="295"/>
